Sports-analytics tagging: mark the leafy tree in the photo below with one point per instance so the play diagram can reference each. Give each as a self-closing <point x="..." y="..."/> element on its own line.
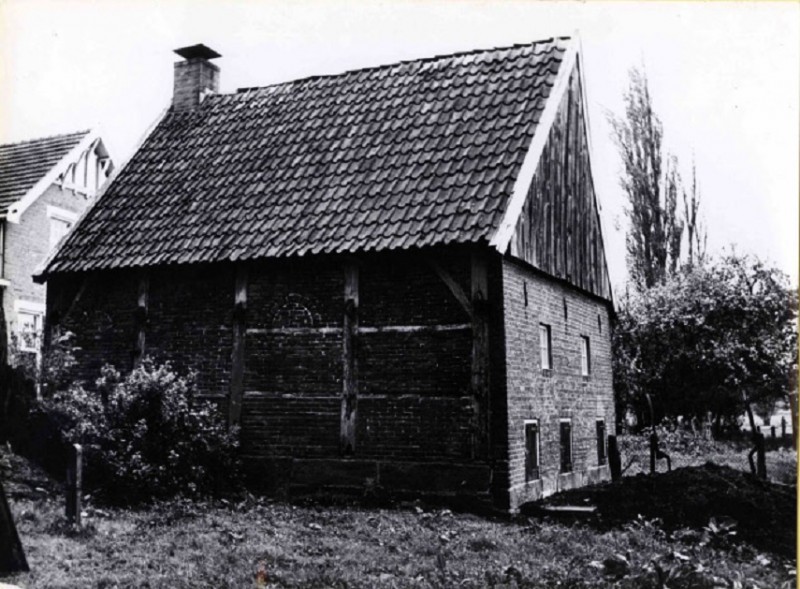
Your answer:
<point x="706" y="340"/>
<point x="653" y="187"/>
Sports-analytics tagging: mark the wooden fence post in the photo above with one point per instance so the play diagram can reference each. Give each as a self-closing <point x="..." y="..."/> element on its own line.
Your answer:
<point x="614" y="459"/>
<point x="74" y="484"/>
<point x="653" y="452"/>
<point x="761" y="457"/>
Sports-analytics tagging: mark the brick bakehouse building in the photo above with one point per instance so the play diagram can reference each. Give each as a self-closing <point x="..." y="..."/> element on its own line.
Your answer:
<point x="391" y="278"/>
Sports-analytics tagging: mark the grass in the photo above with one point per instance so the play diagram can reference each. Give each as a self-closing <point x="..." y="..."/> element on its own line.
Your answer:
<point x="195" y="545"/>
<point x="686" y="449"/>
<point x="216" y="545"/>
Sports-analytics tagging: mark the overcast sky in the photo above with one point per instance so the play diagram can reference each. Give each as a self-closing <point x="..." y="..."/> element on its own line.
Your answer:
<point x="725" y="80"/>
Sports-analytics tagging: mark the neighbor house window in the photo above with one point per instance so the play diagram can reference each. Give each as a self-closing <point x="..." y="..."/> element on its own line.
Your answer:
<point x="601" y="441"/>
<point x="531" y="450"/>
<point x="545" y="348"/>
<point x="586" y="358"/>
<point x="565" y="427"/>
<point x="28" y="329"/>
<point x="61" y="221"/>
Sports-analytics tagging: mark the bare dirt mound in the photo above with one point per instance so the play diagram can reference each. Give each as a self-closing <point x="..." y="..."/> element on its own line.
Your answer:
<point x="765" y="513"/>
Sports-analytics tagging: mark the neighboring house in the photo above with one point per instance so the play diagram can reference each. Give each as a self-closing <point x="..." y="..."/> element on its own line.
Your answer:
<point x="392" y="278"/>
<point x="45" y="184"/>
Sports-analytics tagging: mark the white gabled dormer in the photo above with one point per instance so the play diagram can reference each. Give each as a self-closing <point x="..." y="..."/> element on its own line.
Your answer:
<point x="84" y="170"/>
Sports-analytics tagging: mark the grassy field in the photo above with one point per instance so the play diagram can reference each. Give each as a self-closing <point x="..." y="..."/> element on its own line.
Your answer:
<point x="258" y="543"/>
<point x="688" y="450"/>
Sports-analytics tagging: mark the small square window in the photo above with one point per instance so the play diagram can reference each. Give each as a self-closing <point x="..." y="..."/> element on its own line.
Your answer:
<point x="565" y="427"/>
<point x="545" y="348"/>
<point x="586" y="357"/>
<point x="601" y="441"/>
<point x="531" y="450"/>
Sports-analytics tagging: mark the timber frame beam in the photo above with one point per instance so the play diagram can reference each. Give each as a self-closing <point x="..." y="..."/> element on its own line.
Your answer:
<point x="476" y="304"/>
<point x="479" y="290"/>
<point x="142" y="302"/>
<point x="349" y="364"/>
<point x="237" y="352"/>
<point x="454" y="287"/>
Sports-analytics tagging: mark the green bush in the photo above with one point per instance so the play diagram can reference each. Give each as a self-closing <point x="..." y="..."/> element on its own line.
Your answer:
<point x="147" y="435"/>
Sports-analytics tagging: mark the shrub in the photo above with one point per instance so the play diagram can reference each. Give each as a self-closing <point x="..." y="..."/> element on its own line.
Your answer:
<point x="147" y="435"/>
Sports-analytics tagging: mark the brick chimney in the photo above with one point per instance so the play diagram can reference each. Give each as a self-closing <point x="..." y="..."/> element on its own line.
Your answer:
<point x="195" y="77"/>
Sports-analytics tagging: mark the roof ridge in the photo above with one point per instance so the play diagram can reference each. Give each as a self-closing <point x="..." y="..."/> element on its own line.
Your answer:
<point x="46" y="138"/>
<point x="399" y="63"/>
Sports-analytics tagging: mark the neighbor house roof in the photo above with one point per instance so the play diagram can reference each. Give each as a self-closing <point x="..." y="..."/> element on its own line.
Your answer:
<point x="24" y="164"/>
<point x="406" y="155"/>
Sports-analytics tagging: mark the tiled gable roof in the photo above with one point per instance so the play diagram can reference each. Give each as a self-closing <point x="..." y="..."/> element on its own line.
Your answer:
<point x="24" y="163"/>
<point x="407" y="155"/>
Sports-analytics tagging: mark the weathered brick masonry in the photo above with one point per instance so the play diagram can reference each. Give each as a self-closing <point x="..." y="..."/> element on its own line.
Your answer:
<point x="530" y="299"/>
<point x="417" y="417"/>
<point x="416" y="425"/>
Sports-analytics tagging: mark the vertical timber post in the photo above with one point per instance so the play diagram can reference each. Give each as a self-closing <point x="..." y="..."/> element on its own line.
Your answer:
<point x="74" y="484"/>
<point x="350" y="378"/>
<point x="141" y="316"/>
<point x="614" y="459"/>
<point x="480" y="347"/>
<point x="237" y="352"/>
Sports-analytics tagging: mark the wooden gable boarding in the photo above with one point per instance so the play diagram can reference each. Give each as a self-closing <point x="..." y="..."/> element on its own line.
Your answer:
<point x="558" y="230"/>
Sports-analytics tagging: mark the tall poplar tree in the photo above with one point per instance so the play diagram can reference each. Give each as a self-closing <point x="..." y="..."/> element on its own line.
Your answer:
<point x="653" y="186"/>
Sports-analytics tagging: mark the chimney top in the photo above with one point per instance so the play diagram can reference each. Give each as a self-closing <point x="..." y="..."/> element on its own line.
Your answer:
<point x="198" y="50"/>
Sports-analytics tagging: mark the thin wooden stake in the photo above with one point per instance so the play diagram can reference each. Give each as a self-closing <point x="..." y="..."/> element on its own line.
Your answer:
<point x="74" y="484"/>
<point x="614" y="459"/>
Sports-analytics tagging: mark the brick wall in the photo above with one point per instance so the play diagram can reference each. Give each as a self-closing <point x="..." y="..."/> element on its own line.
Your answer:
<point x="416" y="418"/>
<point x="189" y="317"/>
<point x="100" y="309"/>
<point x="563" y="393"/>
<point x="412" y="353"/>
<point x="28" y="243"/>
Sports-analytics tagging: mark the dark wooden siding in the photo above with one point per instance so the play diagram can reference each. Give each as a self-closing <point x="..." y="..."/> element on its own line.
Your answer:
<point x="558" y="231"/>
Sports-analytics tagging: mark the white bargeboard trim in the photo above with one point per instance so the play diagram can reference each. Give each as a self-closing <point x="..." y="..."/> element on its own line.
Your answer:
<point x="522" y="185"/>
